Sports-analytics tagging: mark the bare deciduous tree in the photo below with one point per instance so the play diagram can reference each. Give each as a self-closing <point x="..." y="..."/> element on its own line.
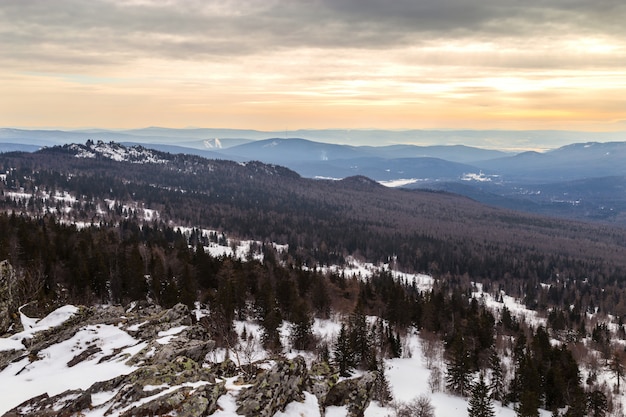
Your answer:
<point x="417" y="407"/>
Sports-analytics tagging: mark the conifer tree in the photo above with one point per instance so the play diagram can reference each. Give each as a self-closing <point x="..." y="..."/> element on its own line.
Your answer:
<point x="617" y="368"/>
<point x="480" y="401"/>
<point x="497" y="377"/>
<point x="302" y="327"/>
<point x="381" y="390"/>
<point x="528" y="404"/>
<point x="343" y="355"/>
<point x="270" y="322"/>
<point x="458" y="372"/>
<point x="597" y="404"/>
<point x="360" y="344"/>
<point x="578" y="404"/>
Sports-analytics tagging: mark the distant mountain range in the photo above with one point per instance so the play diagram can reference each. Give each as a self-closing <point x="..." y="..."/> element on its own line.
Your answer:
<point x="512" y="141"/>
<point x="580" y="180"/>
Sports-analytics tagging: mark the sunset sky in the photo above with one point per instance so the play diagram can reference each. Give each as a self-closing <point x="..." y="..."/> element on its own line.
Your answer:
<point x="271" y="65"/>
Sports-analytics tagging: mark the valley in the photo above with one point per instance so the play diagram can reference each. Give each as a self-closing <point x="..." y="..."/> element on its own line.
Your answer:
<point x="264" y="266"/>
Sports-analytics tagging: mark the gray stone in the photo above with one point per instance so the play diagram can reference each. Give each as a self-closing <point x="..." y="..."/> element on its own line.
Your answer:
<point x="322" y="377"/>
<point x="66" y="404"/>
<point x="356" y="393"/>
<point x="274" y="389"/>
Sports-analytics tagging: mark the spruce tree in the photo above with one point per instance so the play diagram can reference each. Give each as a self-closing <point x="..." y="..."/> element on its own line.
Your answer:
<point x="302" y="327"/>
<point x="343" y="355"/>
<point x="528" y="404"/>
<point x="381" y="389"/>
<point x="480" y="401"/>
<point x="497" y="377"/>
<point x="617" y="368"/>
<point x="358" y="335"/>
<point x="458" y="372"/>
<point x="597" y="404"/>
<point x="578" y="404"/>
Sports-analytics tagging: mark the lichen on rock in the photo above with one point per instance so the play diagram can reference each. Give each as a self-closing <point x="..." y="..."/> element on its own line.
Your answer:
<point x="272" y="390"/>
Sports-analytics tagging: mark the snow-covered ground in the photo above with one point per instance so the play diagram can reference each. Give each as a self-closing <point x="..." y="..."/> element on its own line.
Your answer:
<point x="359" y="269"/>
<point x="408" y="376"/>
<point x="49" y="372"/>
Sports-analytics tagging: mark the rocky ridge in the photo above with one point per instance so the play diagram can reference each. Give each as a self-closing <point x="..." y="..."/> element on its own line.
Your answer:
<point x="170" y="371"/>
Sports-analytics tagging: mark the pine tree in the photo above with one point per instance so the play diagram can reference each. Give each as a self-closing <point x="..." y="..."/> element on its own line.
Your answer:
<point x="480" y="401"/>
<point x="526" y="386"/>
<point x="458" y="372"/>
<point x="578" y="404"/>
<point x="270" y="322"/>
<point x="381" y="390"/>
<point x="358" y="335"/>
<point x="497" y="377"/>
<point x="528" y="404"/>
<point x="617" y="368"/>
<point x="302" y="327"/>
<point x="343" y="355"/>
<point x="597" y="404"/>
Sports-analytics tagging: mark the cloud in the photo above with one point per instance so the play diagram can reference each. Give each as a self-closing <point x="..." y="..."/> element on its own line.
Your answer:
<point x="189" y="29"/>
<point x="398" y="62"/>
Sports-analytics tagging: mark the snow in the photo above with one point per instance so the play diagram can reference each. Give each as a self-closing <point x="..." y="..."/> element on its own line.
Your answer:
<point x="308" y="408"/>
<point x="515" y="307"/>
<point x="24" y="379"/>
<point x="401" y="182"/>
<point x="116" y="152"/>
<point x="479" y="177"/>
<point x="358" y="269"/>
<point x="408" y="376"/>
<point x="166" y="336"/>
<point x="319" y="177"/>
<point x="32" y="325"/>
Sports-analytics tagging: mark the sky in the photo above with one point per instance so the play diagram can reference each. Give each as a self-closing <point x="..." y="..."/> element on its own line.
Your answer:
<point x="353" y="64"/>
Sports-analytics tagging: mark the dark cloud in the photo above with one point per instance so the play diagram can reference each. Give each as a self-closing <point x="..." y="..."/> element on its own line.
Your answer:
<point x="97" y="31"/>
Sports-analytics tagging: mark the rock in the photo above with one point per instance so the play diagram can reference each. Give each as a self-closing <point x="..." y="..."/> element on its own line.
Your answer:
<point x="161" y="321"/>
<point x="183" y="402"/>
<point x="321" y="379"/>
<point x="180" y="345"/>
<point x="356" y="393"/>
<point x="66" y="404"/>
<point x="193" y="349"/>
<point x="226" y="369"/>
<point x="178" y="315"/>
<point x="84" y="355"/>
<point x="170" y="378"/>
<point x="274" y="389"/>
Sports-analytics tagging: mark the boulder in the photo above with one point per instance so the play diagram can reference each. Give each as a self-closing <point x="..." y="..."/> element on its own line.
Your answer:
<point x="322" y="377"/>
<point x="274" y="389"/>
<point x="356" y="393"/>
<point x="148" y="391"/>
<point x="66" y="404"/>
<point x="225" y="369"/>
<point x="183" y="402"/>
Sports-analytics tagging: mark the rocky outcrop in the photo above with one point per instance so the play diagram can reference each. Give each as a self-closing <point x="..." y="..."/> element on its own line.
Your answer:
<point x="66" y="404"/>
<point x="171" y="374"/>
<point x="182" y="387"/>
<point x="321" y="379"/>
<point x="355" y="393"/>
<point x="225" y="369"/>
<point x="274" y="389"/>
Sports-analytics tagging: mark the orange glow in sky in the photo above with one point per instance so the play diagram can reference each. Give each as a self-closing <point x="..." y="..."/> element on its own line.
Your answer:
<point x="272" y="65"/>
